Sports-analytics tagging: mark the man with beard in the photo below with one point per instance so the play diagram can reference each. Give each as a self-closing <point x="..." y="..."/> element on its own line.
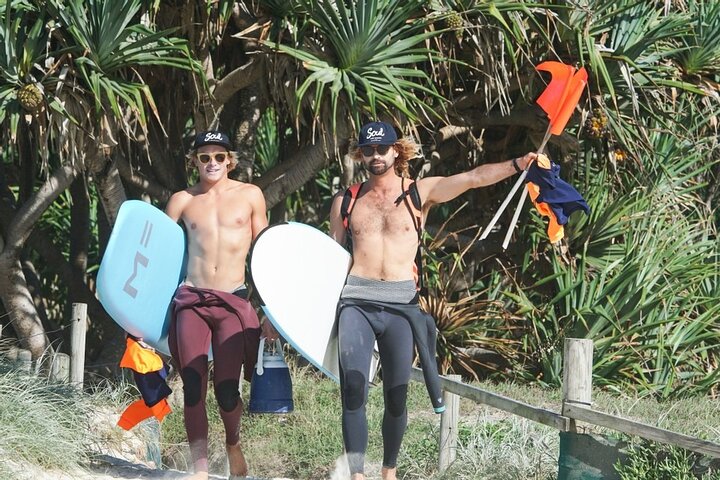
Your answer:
<point x="380" y="299"/>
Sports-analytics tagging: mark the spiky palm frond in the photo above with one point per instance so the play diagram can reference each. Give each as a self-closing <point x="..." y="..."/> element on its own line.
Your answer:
<point x="109" y="46"/>
<point x="701" y="52"/>
<point x="642" y="282"/>
<point x="363" y="59"/>
<point x="469" y="326"/>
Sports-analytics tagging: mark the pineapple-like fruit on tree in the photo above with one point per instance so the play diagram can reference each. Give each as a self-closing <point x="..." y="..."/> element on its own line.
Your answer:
<point x="30" y="97"/>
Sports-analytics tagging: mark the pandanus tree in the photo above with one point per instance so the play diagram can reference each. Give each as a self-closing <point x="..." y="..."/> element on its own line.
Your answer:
<point x="71" y="90"/>
<point x="93" y="91"/>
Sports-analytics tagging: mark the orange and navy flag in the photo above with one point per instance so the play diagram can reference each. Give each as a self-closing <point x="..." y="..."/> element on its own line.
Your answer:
<point x="150" y="373"/>
<point x="553" y="197"/>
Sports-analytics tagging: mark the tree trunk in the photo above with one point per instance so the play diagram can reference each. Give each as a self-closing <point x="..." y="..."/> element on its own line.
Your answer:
<point x="17" y="301"/>
<point x="292" y="174"/>
<point x="14" y="291"/>
<point x="107" y="181"/>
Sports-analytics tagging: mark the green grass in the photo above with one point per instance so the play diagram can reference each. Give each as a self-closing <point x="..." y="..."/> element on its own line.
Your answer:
<point x="307" y="443"/>
<point x="42" y="424"/>
<point x="54" y="427"/>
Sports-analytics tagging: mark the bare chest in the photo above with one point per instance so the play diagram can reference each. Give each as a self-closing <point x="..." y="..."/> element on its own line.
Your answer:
<point x="223" y="211"/>
<point x="377" y="217"/>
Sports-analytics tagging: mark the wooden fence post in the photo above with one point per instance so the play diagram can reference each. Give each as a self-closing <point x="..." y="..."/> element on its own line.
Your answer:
<point x="24" y="359"/>
<point x="577" y="371"/>
<point x="77" y="344"/>
<point x="60" y="368"/>
<point x="449" y="427"/>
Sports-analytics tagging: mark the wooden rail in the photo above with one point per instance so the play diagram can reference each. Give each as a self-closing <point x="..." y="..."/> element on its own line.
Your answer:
<point x="576" y="406"/>
<point x="631" y="427"/>
<point x="516" y="407"/>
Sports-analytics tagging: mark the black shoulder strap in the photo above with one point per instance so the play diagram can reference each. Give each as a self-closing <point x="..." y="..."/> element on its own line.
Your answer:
<point x="414" y="204"/>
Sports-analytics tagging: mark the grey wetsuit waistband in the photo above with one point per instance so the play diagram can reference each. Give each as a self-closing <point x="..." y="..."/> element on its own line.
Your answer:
<point x="402" y="291"/>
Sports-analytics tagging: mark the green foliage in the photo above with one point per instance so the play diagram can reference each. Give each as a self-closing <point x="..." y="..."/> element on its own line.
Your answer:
<point x="368" y="63"/>
<point x="50" y="425"/>
<point x="653" y="461"/>
<point x="24" y="40"/>
<point x="701" y="52"/>
<point x="634" y="286"/>
<point x="107" y="41"/>
<point x="267" y="142"/>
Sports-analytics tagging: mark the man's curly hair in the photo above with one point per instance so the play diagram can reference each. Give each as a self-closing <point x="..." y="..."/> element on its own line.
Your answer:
<point x="406" y="148"/>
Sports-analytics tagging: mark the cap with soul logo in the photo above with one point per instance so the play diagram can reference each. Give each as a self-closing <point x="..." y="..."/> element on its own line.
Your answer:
<point x="212" y="137"/>
<point x="377" y="133"/>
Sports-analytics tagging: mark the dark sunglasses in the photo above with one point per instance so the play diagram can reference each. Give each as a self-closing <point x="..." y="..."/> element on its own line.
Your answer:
<point x="369" y="150"/>
<point x="219" y="157"/>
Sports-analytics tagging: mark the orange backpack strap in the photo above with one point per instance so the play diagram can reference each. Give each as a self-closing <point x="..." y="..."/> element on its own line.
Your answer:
<point x="348" y="202"/>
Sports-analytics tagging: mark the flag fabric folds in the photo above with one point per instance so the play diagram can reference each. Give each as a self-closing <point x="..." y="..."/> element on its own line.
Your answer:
<point x="553" y="197"/>
<point x="562" y="94"/>
<point x="150" y="373"/>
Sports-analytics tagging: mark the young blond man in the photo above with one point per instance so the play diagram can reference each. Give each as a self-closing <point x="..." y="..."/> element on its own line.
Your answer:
<point x="221" y="217"/>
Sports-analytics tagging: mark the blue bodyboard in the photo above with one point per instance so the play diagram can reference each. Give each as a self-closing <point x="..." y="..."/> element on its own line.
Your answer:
<point x="142" y="267"/>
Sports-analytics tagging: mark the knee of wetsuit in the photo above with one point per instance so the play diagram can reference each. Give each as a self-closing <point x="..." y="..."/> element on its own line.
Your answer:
<point x="192" y="386"/>
<point x="354" y="389"/>
<point x="227" y="394"/>
<point x="395" y="400"/>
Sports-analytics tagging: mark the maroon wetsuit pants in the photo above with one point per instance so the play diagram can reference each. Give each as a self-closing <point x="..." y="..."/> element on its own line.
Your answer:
<point x="201" y="318"/>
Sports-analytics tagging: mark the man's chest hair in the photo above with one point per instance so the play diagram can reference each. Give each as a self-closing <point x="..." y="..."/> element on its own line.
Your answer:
<point x="373" y="217"/>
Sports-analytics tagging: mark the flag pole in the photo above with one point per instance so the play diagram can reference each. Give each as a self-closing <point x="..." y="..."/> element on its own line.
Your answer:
<point x="523" y="196"/>
<point x="514" y="189"/>
<point x="558" y="101"/>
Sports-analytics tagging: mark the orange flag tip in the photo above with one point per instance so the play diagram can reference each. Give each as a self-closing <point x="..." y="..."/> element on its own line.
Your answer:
<point x="562" y="94"/>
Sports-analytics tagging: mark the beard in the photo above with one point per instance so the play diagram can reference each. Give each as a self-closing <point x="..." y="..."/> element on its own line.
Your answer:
<point x="378" y="168"/>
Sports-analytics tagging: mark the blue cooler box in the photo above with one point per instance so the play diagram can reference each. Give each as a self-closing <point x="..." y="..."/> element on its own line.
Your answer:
<point x="271" y="387"/>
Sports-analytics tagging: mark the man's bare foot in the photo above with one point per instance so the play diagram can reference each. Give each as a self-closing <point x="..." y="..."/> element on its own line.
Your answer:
<point x="357" y="476"/>
<point x="389" y="473"/>
<point x="236" y="459"/>
<point x="197" y="476"/>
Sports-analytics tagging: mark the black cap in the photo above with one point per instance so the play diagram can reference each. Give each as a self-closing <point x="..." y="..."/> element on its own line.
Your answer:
<point x="212" y="137"/>
<point x="377" y="133"/>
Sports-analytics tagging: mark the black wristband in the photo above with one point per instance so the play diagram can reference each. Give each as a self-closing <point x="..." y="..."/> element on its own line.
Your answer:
<point x="516" y="166"/>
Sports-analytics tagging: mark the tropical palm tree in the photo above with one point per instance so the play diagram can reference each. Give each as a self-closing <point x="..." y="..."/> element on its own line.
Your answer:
<point x="77" y="88"/>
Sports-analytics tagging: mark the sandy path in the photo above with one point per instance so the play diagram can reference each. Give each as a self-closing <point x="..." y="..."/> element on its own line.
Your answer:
<point x="106" y="467"/>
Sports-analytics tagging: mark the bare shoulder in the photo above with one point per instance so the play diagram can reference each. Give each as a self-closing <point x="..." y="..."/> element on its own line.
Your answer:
<point x="177" y="203"/>
<point x="425" y="186"/>
<point x="248" y="192"/>
<point x="246" y="189"/>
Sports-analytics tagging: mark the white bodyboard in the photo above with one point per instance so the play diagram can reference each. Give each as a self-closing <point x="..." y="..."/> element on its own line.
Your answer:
<point x="299" y="272"/>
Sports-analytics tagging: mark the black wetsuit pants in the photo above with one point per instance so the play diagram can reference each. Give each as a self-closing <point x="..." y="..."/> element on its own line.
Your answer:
<point x="358" y="329"/>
